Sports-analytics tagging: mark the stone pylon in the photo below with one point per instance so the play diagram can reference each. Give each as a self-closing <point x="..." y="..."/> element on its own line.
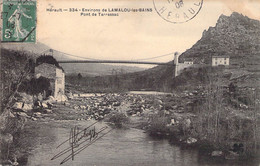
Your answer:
<point x="176" y="64"/>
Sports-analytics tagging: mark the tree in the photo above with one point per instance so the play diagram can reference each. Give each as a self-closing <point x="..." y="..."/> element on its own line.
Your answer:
<point x="203" y="75"/>
<point x="15" y="69"/>
<point x="79" y="76"/>
<point x="232" y="88"/>
<point x="47" y="59"/>
<point x="255" y="127"/>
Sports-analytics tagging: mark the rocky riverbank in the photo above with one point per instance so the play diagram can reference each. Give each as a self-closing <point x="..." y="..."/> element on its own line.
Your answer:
<point x="174" y="116"/>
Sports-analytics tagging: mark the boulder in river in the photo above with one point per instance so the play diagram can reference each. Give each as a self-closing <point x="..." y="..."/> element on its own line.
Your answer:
<point x="187" y="123"/>
<point x="51" y="99"/>
<point x="37" y="114"/>
<point x="82" y="107"/>
<point x="22" y="114"/>
<point x="191" y="140"/>
<point x="18" y="105"/>
<point x="28" y="107"/>
<point x="44" y="105"/>
<point x="159" y="101"/>
<point x="116" y="104"/>
<point x="61" y="98"/>
<point x="26" y="98"/>
<point x="231" y="155"/>
<point x="172" y="122"/>
<point x="34" y="119"/>
<point x="76" y="107"/>
<point x="216" y="153"/>
<point x="47" y="111"/>
<point x="23" y="106"/>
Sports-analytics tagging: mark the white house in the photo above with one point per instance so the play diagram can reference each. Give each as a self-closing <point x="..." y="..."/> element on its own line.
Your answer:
<point x="220" y="60"/>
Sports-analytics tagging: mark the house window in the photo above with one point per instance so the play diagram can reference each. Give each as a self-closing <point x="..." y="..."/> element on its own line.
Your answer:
<point x="216" y="63"/>
<point x="225" y="58"/>
<point x="225" y="62"/>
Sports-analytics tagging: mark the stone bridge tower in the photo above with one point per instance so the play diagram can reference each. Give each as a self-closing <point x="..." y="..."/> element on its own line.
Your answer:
<point x="176" y="64"/>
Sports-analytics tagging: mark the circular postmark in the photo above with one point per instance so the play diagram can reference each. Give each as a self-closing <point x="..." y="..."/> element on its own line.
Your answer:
<point x="177" y="11"/>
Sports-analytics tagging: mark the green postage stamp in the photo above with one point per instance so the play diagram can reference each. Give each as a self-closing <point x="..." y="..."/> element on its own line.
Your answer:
<point x="19" y="21"/>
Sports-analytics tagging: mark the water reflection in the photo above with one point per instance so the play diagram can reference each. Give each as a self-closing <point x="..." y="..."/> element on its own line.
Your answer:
<point x="119" y="147"/>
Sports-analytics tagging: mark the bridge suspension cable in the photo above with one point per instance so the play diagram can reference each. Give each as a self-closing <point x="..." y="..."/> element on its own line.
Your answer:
<point x="155" y="57"/>
<point x="49" y="50"/>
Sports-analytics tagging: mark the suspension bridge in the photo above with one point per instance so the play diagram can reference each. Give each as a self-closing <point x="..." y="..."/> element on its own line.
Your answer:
<point x="90" y="60"/>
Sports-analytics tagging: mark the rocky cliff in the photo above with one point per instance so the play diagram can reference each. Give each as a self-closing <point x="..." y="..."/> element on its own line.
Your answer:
<point x="236" y="36"/>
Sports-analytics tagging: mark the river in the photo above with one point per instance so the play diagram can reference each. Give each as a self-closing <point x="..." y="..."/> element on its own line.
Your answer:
<point x="119" y="147"/>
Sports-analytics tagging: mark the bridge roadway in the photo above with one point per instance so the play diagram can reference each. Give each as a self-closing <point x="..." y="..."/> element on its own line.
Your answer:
<point x="114" y="61"/>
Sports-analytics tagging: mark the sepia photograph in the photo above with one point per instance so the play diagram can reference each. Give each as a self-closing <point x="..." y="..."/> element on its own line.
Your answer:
<point x="130" y="83"/>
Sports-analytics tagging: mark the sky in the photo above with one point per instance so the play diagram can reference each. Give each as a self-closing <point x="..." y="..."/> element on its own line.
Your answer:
<point x="129" y="36"/>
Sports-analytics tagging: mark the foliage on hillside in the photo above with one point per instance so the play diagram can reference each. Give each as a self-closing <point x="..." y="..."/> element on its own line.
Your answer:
<point x="15" y="68"/>
<point x="158" y="78"/>
<point x="47" y="59"/>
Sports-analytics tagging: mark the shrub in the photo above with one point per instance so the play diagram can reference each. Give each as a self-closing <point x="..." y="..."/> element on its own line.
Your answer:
<point x="118" y="119"/>
<point x="157" y="125"/>
<point x="47" y="59"/>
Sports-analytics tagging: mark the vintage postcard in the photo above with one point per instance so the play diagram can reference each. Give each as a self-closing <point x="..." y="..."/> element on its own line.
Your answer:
<point x="130" y="83"/>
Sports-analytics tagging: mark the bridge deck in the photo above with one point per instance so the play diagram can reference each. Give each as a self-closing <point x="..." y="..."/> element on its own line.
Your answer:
<point x="114" y="61"/>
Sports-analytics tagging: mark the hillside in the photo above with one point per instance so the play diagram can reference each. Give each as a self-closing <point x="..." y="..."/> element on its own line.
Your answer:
<point x="85" y="69"/>
<point x="236" y="36"/>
